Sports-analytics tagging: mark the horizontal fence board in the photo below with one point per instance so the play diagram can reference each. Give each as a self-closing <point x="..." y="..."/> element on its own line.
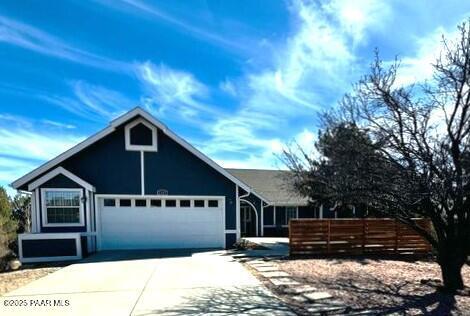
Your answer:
<point x="355" y="236"/>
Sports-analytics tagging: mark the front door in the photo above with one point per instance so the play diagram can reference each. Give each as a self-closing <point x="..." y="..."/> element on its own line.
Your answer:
<point x="248" y="221"/>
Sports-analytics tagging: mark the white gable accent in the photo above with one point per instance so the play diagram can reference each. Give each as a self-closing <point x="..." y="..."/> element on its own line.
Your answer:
<point x="59" y="170"/>
<point x="111" y="128"/>
<point x="127" y="132"/>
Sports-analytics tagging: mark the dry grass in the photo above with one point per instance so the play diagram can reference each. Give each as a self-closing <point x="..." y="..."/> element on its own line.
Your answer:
<point x="384" y="286"/>
<point x="12" y="280"/>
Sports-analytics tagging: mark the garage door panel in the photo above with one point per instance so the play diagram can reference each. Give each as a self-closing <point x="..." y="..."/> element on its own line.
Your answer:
<point x="160" y="227"/>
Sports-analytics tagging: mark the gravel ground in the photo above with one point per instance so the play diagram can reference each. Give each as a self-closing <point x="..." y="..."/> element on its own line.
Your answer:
<point x="15" y="279"/>
<point x="383" y="286"/>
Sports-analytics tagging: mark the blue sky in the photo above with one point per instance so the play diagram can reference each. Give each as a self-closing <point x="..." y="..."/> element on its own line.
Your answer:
<point x="238" y="79"/>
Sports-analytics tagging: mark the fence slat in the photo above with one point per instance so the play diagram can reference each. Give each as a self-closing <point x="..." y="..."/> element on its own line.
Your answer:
<point x="355" y="236"/>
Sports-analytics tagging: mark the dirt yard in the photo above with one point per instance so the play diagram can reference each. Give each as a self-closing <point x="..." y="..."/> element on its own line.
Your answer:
<point x="382" y="286"/>
<point x="15" y="279"/>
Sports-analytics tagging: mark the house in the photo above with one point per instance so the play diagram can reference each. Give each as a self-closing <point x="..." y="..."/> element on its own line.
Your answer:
<point x="138" y="185"/>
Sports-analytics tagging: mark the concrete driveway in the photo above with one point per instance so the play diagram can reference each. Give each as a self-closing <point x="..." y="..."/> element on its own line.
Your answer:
<point x="146" y="283"/>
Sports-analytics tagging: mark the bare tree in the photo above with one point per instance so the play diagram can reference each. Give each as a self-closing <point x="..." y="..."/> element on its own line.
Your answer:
<point x="420" y="134"/>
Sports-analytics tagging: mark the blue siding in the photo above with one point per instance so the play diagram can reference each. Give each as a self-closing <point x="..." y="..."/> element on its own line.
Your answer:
<point x="175" y="169"/>
<point x="307" y="212"/>
<point x="230" y="240"/>
<point x="60" y="181"/>
<point x="112" y="170"/>
<point x="49" y="248"/>
<point x="108" y="166"/>
<point x="269" y="215"/>
<point x="280" y="215"/>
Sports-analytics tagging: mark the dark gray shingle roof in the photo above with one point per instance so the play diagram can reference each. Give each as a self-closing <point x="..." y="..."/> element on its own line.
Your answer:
<point x="270" y="184"/>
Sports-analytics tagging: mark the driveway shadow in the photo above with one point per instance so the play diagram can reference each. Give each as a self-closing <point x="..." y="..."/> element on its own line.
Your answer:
<point x="224" y="301"/>
<point x="125" y="255"/>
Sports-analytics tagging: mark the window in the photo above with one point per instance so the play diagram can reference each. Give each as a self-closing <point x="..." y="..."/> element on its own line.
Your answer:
<point x="213" y="203"/>
<point x="109" y="202"/>
<point x="140" y="135"/>
<point x="124" y="202"/>
<point x="185" y="203"/>
<point x="141" y="203"/>
<point x="170" y="203"/>
<point x="63" y="207"/>
<point x="156" y="203"/>
<point x="198" y="203"/>
<point x="291" y="212"/>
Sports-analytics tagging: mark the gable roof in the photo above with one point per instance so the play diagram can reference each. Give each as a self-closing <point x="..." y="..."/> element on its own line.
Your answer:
<point x="271" y="184"/>
<point x="111" y="128"/>
<point x="55" y="172"/>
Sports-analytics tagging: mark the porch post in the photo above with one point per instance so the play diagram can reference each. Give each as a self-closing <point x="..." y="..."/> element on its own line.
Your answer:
<point x="34" y="226"/>
<point x="262" y="219"/>
<point x="237" y="216"/>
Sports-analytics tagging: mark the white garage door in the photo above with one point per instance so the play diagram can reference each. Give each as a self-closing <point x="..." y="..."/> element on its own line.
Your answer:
<point x="157" y="223"/>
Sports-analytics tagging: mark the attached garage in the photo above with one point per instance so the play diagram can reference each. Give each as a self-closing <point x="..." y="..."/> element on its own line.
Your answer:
<point x="133" y="185"/>
<point x="136" y="222"/>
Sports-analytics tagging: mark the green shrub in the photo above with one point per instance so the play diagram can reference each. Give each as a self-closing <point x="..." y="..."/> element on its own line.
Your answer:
<point x="8" y="226"/>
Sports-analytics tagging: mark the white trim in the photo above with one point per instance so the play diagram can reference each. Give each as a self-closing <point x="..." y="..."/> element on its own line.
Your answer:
<point x="55" y="172"/>
<point x="254" y="210"/>
<point x="142" y="174"/>
<point x="321" y="211"/>
<point x="106" y="131"/>
<point x="269" y="226"/>
<point x="223" y="220"/>
<point x="33" y="213"/>
<point x="87" y="197"/>
<point x="262" y="219"/>
<point x="88" y="218"/>
<point x="127" y="131"/>
<point x="38" y="211"/>
<point x="237" y="213"/>
<point x="75" y="236"/>
<point x="230" y="231"/>
<point x="274" y="216"/>
<point x="98" y="224"/>
<point x="81" y="223"/>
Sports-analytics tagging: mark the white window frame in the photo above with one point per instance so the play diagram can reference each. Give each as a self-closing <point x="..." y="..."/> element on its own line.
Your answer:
<point x="81" y="223"/>
<point x="127" y="130"/>
<point x="285" y="214"/>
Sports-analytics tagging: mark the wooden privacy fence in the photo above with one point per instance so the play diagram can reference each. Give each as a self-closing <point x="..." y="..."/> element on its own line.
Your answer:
<point x="355" y="236"/>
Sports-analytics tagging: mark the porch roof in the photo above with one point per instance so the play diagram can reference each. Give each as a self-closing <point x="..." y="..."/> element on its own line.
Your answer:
<point x="271" y="184"/>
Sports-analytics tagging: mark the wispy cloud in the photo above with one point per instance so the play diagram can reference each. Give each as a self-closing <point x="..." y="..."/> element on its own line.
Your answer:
<point x="22" y="150"/>
<point x="169" y="93"/>
<point x="228" y="87"/>
<point x="92" y="102"/>
<point x="28" y="37"/>
<point x="139" y="7"/>
<point x="59" y="124"/>
<point x="310" y="71"/>
<point x="32" y="144"/>
<point x="417" y="66"/>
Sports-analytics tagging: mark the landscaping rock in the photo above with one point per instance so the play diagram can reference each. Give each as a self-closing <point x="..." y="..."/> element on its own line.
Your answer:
<point x="315" y="296"/>
<point x="299" y="298"/>
<point x="265" y="268"/>
<point x="299" y="289"/>
<point x="283" y="281"/>
<point x="321" y="309"/>
<point x="14" y="265"/>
